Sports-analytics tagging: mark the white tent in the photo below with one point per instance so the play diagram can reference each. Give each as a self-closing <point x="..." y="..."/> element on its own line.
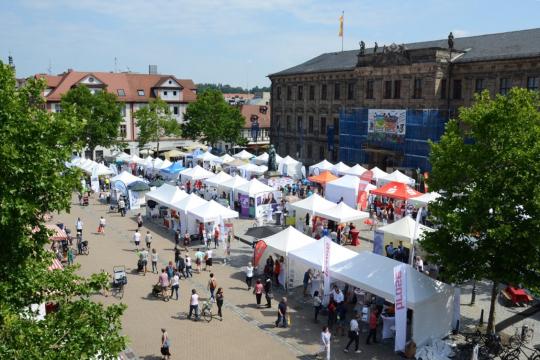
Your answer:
<point x="356" y="170"/>
<point x="432" y="301"/>
<point x="189" y="202"/>
<point x="196" y="173"/>
<point x="342" y="213"/>
<point x="320" y="167"/>
<point x="243" y="155"/>
<point x="207" y="156"/>
<point x="154" y="165"/>
<point x="225" y="159"/>
<point x="253" y="188"/>
<point x="397" y="176"/>
<point x="261" y="159"/>
<point x="166" y="195"/>
<point x="312" y="204"/>
<point x="102" y="170"/>
<point x="164" y="164"/>
<point x="345" y="187"/>
<point x="135" y="159"/>
<point x="340" y="168"/>
<point x="123" y="157"/>
<point x="126" y="178"/>
<point x="290" y="167"/>
<point x="403" y="229"/>
<point x="212" y="212"/>
<point x="148" y="161"/>
<point x="281" y="244"/>
<point x="233" y="183"/>
<point x="311" y="255"/>
<point x="217" y="180"/>
<point x="252" y="169"/>
<point x="424" y="199"/>
<point x="378" y="173"/>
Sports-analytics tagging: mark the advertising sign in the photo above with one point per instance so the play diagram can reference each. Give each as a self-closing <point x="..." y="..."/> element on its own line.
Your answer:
<point x="378" y="242"/>
<point x="244" y="204"/>
<point x="387" y="121"/>
<point x="326" y="268"/>
<point x="134" y="199"/>
<point x="400" y="296"/>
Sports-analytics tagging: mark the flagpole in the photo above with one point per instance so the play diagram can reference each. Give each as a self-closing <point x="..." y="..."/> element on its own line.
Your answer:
<point x="342" y="25"/>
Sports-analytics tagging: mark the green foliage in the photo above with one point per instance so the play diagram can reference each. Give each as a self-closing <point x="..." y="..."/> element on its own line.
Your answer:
<point x="100" y="114"/>
<point x="486" y="163"/>
<point x="228" y="89"/>
<point x="156" y="121"/>
<point x="34" y="145"/>
<point x="211" y="119"/>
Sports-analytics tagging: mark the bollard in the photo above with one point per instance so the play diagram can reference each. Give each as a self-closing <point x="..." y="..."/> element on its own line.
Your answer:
<point x="481" y="318"/>
<point x="473" y="293"/>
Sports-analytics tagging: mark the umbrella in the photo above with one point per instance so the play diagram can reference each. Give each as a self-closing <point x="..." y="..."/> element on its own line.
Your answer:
<point x="138" y="186"/>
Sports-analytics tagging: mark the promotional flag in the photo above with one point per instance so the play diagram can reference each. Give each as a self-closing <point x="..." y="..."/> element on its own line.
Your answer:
<point x="94" y="180"/>
<point x="326" y="268"/>
<point x="258" y="252"/>
<point x="362" y="200"/>
<point x="400" y="296"/>
<point x="341" y="25"/>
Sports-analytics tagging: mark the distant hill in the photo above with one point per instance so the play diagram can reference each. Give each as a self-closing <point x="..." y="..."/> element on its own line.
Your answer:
<point x="228" y="89"/>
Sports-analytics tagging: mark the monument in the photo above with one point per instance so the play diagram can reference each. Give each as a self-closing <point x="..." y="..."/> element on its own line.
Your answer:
<point x="272" y="163"/>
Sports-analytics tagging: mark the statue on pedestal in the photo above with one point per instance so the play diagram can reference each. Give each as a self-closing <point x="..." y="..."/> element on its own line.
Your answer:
<point x="272" y="164"/>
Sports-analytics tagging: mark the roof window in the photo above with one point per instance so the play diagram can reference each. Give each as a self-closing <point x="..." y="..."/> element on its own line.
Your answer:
<point x="121" y="92"/>
<point x="140" y="92"/>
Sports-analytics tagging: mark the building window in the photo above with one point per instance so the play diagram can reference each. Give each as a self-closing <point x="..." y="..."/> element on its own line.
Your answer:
<point x="121" y="92"/>
<point x="123" y="131"/>
<point x="300" y="92"/>
<point x="456" y="91"/>
<point x="140" y="92"/>
<point x="417" y="89"/>
<point x="312" y="92"/>
<point x="175" y="110"/>
<point x="350" y="91"/>
<point x="478" y="85"/>
<point x="99" y="155"/>
<point x="397" y="89"/>
<point x="533" y="83"/>
<point x="323" y="126"/>
<point x="57" y="108"/>
<point x="309" y="152"/>
<point x="369" y="89"/>
<point x="388" y="89"/>
<point x="299" y="124"/>
<point x="504" y="86"/>
<point x="336" y="126"/>
<point x="310" y="124"/>
<point x="321" y="152"/>
<point x="288" y="122"/>
<point x="174" y="93"/>
<point x="337" y="91"/>
<point x="324" y="92"/>
<point x="289" y="93"/>
<point x="278" y="92"/>
<point x="165" y="93"/>
<point x="122" y="110"/>
<point x="443" y="89"/>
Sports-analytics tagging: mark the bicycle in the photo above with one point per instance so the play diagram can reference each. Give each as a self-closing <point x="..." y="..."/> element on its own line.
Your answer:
<point x="515" y="353"/>
<point x="520" y="338"/>
<point x="206" y="311"/>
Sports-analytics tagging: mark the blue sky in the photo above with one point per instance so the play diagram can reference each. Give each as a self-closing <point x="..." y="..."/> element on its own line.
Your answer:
<point x="238" y="42"/>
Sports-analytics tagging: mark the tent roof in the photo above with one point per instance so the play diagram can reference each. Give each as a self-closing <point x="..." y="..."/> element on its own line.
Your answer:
<point x="164" y="164"/>
<point x="175" y="168"/>
<point x="313" y="203"/>
<point x="342" y="213"/>
<point x="288" y="239"/>
<point x="123" y="157"/>
<point x="425" y="199"/>
<point x="219" y="179"/>
<point x="312" y="254"/>
<point x="378" y="173"/>
<point x="225" y="159"/>
<point x="234" y="182"/>
<point x="207" y="156"/>
<point x="399" y="177"/>
<point x="323" y="178"/>
<point x="263" y="157"/>
<point x="135" y="159"/>
<point x="236" y="162"/>
<point x="396" y="190"/>
<point x="340" y="168"/>
<point x="155" y="163"/>
<point x="189" y="202"/>
<point x="288" y="160"/>
<point x="166" y="194"/>
<point x="356" y="170"/>
<point x="212" y="211"/>
<point x="404" y="228"/>
<point x="244" y="155"/>
<point x="103" y="170"/>
<point x="375" y="274"/>
<point x="126" y="178"/>
<point x="196" y="173"/>
<point x="348" y="181"/>
<point x="323" y="165"/>
<point x="254" y="187"/>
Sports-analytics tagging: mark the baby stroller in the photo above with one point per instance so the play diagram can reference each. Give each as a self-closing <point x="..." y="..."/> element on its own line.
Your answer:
<point x="119" y="280"/>
<point x="140" y="265"/>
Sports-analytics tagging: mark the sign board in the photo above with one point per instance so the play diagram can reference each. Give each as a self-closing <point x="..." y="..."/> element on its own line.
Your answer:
<point x="392" y="122"/>
<point x="135" y="198"/>
<point x="400" y="302"/>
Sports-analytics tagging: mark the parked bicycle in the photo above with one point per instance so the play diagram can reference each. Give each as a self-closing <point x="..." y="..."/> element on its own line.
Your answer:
<point x="206" y="311"/>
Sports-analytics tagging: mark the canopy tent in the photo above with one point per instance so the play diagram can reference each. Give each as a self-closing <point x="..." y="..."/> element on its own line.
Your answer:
<point x="234" y="182"/>
<point x="196" y="173"/>
<point x="324" y="165"/>
<point x="165" y="164"/>
<point x="217" y="180"/>
<point x="340" y="168"/>
<point x="396" y="190"/>
<point x="253" y="188"/>
<point x="139" y="186"/>
<point x="281" y="244"/>
<point x="166" y="195"/>
<point x="261" y="159"/>
<point x="224" y="159"/>
<point x="290" y="167"/>
<point x="311" y="255"/>
<point x="397" y="176"/>
<point x="125" y="177"/>
<point x="208" y="157"/>
<point x="243" y="155"/>
<point x="212" y="211"/>
<point x="378" y="173"/>
<point x="189" y="202"/>
<point x="145" y="152"/>
<point x="424" y="199"/>
<point x="172" y="170"/>
<point x="356" y="170"/>
<point x="312" y="204"/>
<point x="432" y="301"/>
<point x="148" y="162"/>
<point x="135" y="159"/>
<point x="323" y="178"/>
<point x="57" y="234"/>
<point x="154" y="164"/>
<point x="346" y="188"/>
<point x="342" y="213"/>
<point x="250" y="169"/>
<point x="174" y="153"/>
<point x="403" y="229"/>
<point x="123" y="157"/>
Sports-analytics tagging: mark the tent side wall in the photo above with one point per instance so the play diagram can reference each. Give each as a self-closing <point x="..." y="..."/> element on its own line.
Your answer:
<point x="430" y="321"/>
<point x="294" y="270"/>
<point x="334" y="193"/>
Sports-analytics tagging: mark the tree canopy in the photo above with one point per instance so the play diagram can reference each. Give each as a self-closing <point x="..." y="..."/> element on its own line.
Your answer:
<point x="228" y="89"/>
<point x="156" y="121"/>
<point x="486" y="165"/>
<point x="34" y="181"/>
<point x="212" y="119"/>
<point x="100" y="114"/>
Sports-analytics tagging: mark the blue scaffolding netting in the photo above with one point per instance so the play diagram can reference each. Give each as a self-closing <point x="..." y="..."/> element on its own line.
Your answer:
<point x="412" y="150"/>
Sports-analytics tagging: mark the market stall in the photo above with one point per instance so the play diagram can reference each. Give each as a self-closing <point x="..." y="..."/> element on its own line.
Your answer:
<point x="187" y="203"/>
<point x="213" y="214"/>
<point x="161" y="205"/>
<point x="217" y="180"/>
<point x="309" y="205"/>
<point x="243" y="155"/>
<point x="396" y="190"/>
<point x="318" y="168"/>
<point x="403" y="230"/>
<point x="207" y="159"/>
<point x="194" y="174"/>
<point x="120" y="182"/>
<point x="230" y="186"/>
<point x="396" y="176"/>
<point x="342" y="213"/>
<point x="424" y="199"/>
<point x="378" y="173"/>
<point x="255" y="199"/>
<point x="224" y="159"/>
<point x="356" y="170"/>
<point x="291" y="168"/>
<point x="345" y="188"/>
<point x="250" y="170"/>
<point x="340" y="168"/>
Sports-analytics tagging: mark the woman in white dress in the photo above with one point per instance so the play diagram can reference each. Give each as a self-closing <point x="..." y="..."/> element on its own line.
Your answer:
<point x="325" y="342"/>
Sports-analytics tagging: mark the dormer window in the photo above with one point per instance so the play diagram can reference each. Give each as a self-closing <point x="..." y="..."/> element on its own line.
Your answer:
<point x="121" y="92"/>
<point x="165" y="93"/>
<point x="170" y="82"/>
<point x="91" y="79"/>
<point x="140" y="92"/>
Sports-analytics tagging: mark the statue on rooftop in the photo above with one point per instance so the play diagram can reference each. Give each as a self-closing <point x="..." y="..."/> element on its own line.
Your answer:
<point x="362" y="47"/>
<point x="451" y="41"/>
<point x="375" y="47"/>
<point x="272" y="164"/>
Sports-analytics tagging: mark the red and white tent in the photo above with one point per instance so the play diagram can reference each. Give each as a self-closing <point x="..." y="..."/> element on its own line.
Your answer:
<point x="56" y="265"/>
<point x="396" y="190"/>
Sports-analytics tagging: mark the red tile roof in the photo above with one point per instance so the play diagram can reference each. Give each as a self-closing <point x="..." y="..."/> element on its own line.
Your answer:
<point x="256" y="110"/>
<point x="245" y="96"/>
<point x="129" y="82"/>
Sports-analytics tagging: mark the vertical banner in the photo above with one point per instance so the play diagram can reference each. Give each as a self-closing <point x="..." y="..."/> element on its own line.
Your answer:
<point x="244" y="204"/>
<point x="414" y="236"/>
<point x="134" y="200"/>
<point x="326" y="268"/>
<point x="258" y="252"/>
<point x="378" y="242"/>
<point x="94" y="180"/>
<point x="400" y="296"/>
<point x="457" y="307"/>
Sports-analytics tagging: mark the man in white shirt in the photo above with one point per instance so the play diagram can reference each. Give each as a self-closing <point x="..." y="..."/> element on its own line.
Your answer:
<point x="144" y="258"/>
<point x="79" y="226"/>
<point x="194" y="304"/>
<point x="354" y="334"/>
<point x="137" y="239"/>
<point x="337" y="295"/>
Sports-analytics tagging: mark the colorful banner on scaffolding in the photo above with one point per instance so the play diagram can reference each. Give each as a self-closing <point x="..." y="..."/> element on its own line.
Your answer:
<point x="387" y="125"/>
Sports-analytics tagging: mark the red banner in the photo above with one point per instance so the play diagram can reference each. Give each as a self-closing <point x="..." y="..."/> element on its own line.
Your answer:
<point x="362" y="200"/>
<point x="367" y="176"/>
<point x="258" y="252"/>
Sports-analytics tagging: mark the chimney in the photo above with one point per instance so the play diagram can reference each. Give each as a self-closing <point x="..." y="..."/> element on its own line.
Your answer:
<point x="152" y="69"/>
<point x="70" y="70"/>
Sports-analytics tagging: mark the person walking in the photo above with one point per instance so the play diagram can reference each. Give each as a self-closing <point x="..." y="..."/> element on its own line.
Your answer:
<point x="163" y="282"/>
<point x="122" y="207"/>
<point x="177" y="256"/>
<point x="70" y="255"/>
<point x="169" y="270"/>
<point x="199" y="256"/>
<point x="282" y="313"/>
<point x="208" y="260"/>
<point x="188" y="266"/>
<point x="154" y="261"/>
<point x="258" y="291"/>
<point x="317" y="304"/>
<point x="249" y="275"/>
<point x="216" y="237"/>
<point x="354" y="334"/>
<point x="144" y="258"/>
<point x="148" y="239"/>
<point x="101" y="226"/>
<point x="219" y="302"/>
<point x="212" y="285"/>
<point x="268" y="292"/>
<point x="332" y="315"/>
<point x="165" y="345"/>
<point x="181" y="266"/>
<point x="175" y="284"/>
<point x="79" y="226"/>
<point x="194" y="304"/>
<point x="307" y="279"/>
<point x="372" y="327"/>
<point x="325" y="342"/>
<point x="139" y="221"/>
<point x="277" y="270"/>
<point x="137" y="239"/>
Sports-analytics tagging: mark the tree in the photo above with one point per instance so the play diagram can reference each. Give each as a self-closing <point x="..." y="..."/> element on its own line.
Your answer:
<point x="34" y="181"/>
<point x="486" y="164"/>
<point x="101" y="115"/>
<point x="156" y="121"/>
<point x="211" y="119"/>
